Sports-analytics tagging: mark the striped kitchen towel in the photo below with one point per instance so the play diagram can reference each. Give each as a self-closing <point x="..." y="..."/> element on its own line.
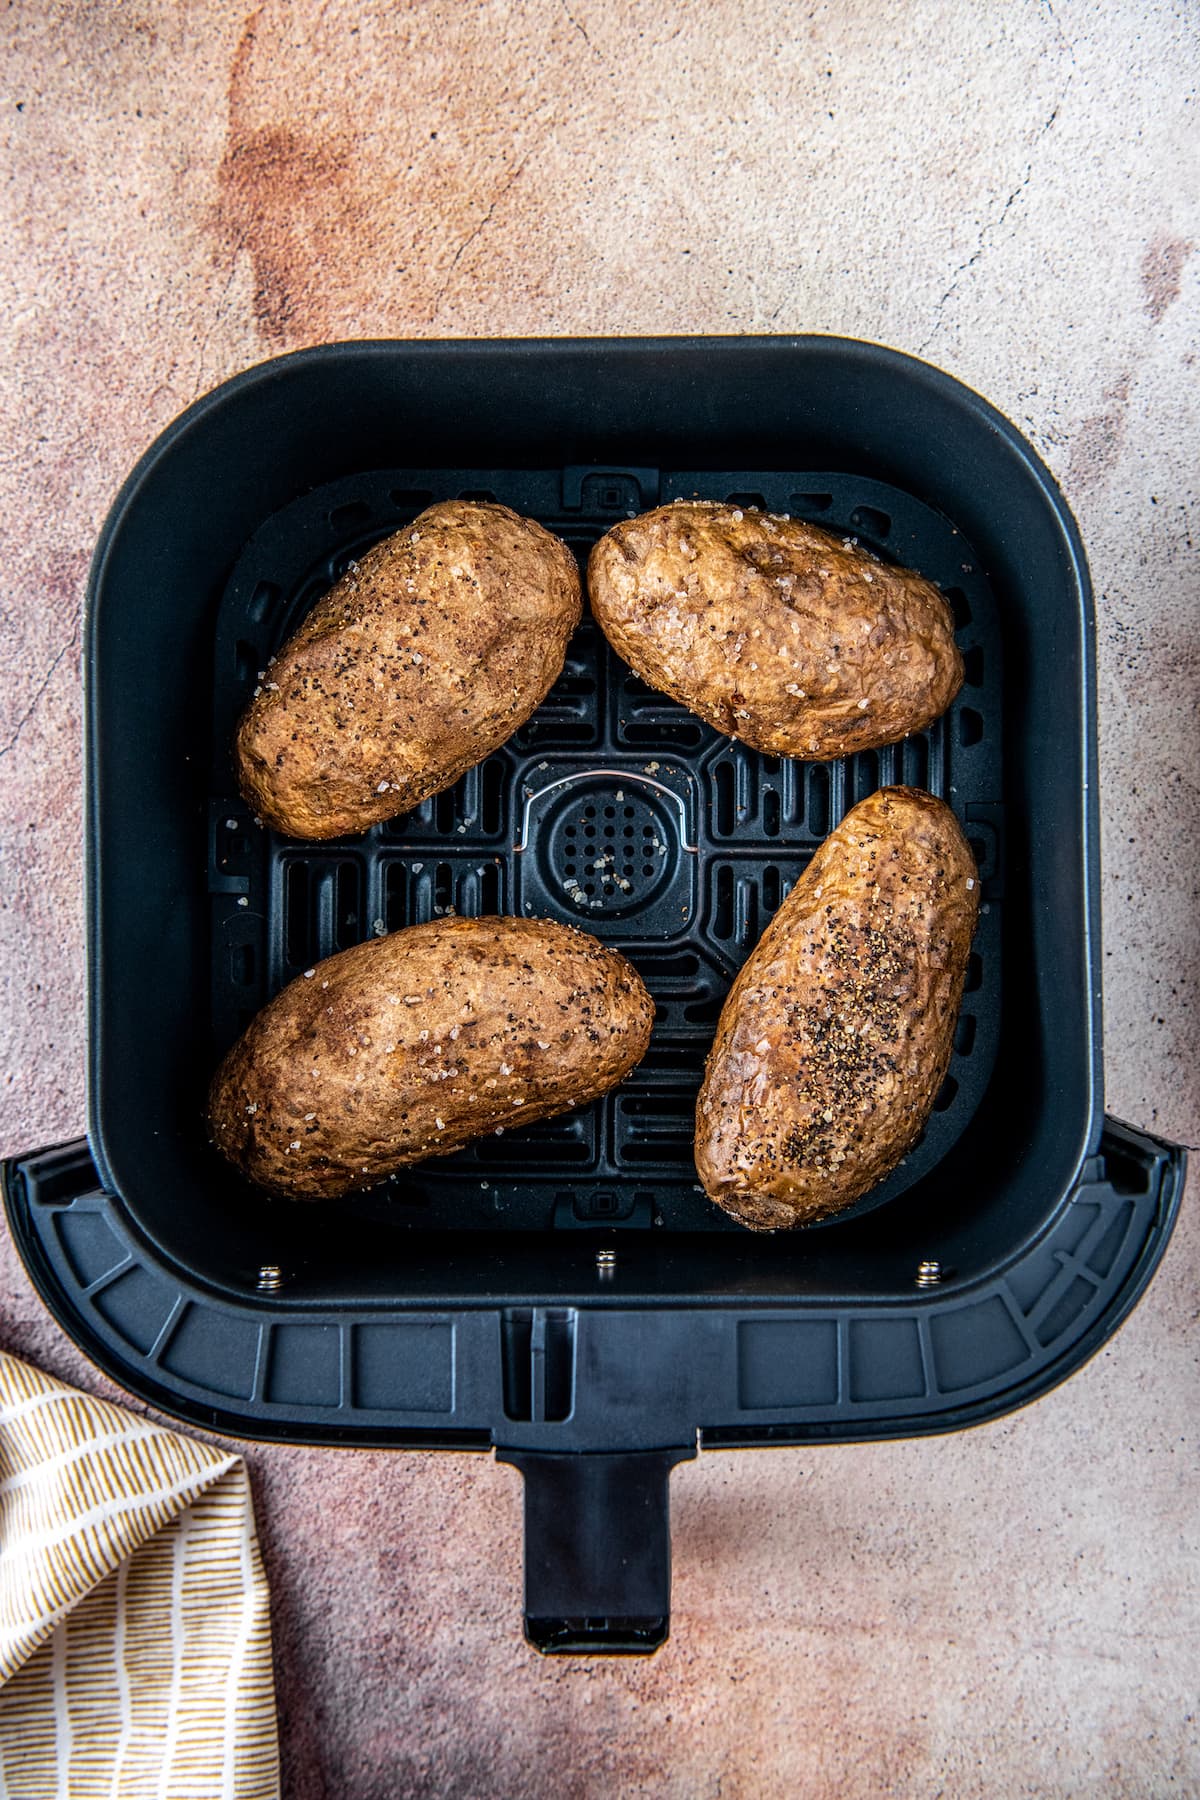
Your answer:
<point x="135" y="1637"/>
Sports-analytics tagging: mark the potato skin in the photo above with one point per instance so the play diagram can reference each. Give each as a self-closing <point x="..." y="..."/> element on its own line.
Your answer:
<point x="416" y="665"/>
<point x="774" y="631"/>
<point x="837" y="1033"/>
<point x="411" y="1045"/>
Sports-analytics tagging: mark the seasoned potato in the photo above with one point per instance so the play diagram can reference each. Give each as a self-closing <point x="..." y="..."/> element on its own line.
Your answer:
<point x="423" y="659"/>
<point x="836" y="1035"/>
<point x="775" y="631"/>
<point x="411" y="1045"/>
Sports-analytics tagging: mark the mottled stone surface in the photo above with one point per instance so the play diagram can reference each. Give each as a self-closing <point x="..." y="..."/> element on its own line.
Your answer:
<point x="1009" y="189"/>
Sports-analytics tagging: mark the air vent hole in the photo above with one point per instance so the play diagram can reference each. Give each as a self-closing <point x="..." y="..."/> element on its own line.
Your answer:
<point x="876" y="524"/>
<point x="970" y="727"/>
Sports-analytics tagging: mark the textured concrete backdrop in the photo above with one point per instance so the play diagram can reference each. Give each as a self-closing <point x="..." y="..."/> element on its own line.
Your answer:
<point x="1009" y="188"/>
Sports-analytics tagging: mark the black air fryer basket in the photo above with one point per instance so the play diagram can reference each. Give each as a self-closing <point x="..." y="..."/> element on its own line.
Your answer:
<point x="565" y="1294"/>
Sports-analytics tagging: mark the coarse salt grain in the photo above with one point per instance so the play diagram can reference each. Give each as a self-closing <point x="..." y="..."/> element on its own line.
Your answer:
<point x="970" y="883"/>
<point x="309" y="973"/>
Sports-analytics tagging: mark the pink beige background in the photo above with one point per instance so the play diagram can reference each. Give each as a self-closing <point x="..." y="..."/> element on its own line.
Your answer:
<point x="1008" y="188"/>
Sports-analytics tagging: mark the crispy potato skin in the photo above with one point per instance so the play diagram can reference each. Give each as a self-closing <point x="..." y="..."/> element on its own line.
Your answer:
<point x="411" y="1045"/>
<point x="837" y="1033"/>
<point x="415" y="666"/>
<point x="773" y="630"/>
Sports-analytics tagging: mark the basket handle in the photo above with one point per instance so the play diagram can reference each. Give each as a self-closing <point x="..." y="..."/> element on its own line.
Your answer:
<point x="597" y="1549"/>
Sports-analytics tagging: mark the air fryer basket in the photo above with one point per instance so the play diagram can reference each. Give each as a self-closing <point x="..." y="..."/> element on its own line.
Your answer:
<point x="613" y="808"/>
<point x="565" y="1294"/>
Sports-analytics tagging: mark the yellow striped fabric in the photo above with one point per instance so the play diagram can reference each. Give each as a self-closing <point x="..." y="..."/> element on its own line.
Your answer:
<point x="135" y="1635"/>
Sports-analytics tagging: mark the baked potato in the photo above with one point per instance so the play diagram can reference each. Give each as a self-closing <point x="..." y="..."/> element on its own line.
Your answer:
<point x="423" y="659"/>
<point x="786" y="636"/>
<point x="837" y="1033"/>
<point x="411" y="1045"/>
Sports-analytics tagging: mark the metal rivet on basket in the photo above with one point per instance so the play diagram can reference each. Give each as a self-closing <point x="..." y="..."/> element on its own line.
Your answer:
<point x="929" y="1274"/>
<point x="606" y="1262"/>
<point x="270" y="1278"/>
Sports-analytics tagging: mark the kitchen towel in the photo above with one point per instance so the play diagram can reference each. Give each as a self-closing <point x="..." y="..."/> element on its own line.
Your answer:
<point x="135" y="1637"/>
